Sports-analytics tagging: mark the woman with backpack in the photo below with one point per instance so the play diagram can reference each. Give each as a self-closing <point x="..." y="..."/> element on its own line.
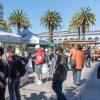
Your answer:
<point x="4" y="71"/>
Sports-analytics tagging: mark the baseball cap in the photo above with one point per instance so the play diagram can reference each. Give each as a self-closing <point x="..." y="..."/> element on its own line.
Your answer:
<point x="46" y="49"/>
<point x="37" y="46"/>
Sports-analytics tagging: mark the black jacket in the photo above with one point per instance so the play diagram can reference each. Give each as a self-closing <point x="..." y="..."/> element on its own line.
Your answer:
<point x="4" y="73"/>
<point x="60" y="69"/>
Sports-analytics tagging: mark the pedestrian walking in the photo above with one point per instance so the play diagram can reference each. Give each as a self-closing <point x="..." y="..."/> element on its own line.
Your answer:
<point x="59" y="74"/>
<point x="88" y="57"/>
<point x="80" y="59"/>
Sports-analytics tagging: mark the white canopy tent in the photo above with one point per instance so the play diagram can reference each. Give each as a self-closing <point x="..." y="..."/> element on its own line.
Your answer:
<point x="29" y="38"/>
<point x="6" y="37"/>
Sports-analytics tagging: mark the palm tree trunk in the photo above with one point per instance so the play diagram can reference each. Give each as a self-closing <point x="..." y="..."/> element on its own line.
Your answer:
<point x="79" y="33"/>
<point x="18" y="27"/>
<point x="83" y="29"/>
<point x="49" y="33"/>
<point x="83" y="33"/>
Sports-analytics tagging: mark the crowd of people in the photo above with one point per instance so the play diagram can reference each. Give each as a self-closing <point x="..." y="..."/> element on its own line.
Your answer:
<point x="13" y="67"/>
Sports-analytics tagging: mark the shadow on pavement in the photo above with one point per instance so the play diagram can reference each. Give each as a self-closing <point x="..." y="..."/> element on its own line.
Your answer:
<point x="28" y="81"/>
<point x="35" y="96"/>
<point x="71" y="93"/>
<point x="46" y="79"/>
<point x="91" y="90"/>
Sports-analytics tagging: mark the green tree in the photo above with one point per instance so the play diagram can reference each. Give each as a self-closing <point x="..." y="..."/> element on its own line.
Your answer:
<point x="75" y="25"/>
<point x="82" y="20"/>
<point x="5" y="26"/>
<point x="52" y="21"/>
<point x="87" y="18"/>
<point x="18" y="18"/>
<point x="26" y="24"/>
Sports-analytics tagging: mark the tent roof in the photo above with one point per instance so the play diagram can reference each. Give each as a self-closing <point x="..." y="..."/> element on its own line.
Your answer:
<point x="30" y="38"/>
<point x="7" y="37"/>
<point x="26" y="32"/>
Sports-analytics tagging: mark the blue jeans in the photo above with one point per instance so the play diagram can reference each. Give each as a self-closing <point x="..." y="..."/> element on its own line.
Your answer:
<point x="87" y="63"/>
<point x="38" y="69"/>
<point x="77" y="75"/>
<point x="57" y="87"/>
<point x="14" y="89"/>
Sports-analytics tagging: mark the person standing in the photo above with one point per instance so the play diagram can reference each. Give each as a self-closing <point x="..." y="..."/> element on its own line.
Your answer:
<point x="39" y="61"/>
<point x="88" y="57"/>
<point x="59" y="74"/>
<point x="4" y="73"/>
<point x="80" y="59"/>
<point x="47" y="57"/>
<point x="50" y="52"/>
<point x="16" y="63"/>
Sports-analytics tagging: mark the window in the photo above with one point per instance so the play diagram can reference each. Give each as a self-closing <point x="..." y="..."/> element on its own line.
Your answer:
<point x="89" y="38"/>
<point x="55" y="40"/>
<point x="65" y="39"/>
<point x="59" y="40"/>
<point x="96" y="38"/>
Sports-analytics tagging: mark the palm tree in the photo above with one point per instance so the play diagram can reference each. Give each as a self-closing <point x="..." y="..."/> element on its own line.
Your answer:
<point x="19" y="19"/>
<point x="52" y="21"/>
<point x="83" y="19"/>
<point x="75" y="25"/>
<point x="26" y="24"/>
<point x="5" y="26"/>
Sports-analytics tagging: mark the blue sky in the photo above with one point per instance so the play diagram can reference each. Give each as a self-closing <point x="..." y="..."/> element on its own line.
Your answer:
<point x="37" y="8"/>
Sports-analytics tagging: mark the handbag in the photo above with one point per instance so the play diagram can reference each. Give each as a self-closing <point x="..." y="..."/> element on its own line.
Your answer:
<point x="29" y="66"/>
<point x="44" y="68"/>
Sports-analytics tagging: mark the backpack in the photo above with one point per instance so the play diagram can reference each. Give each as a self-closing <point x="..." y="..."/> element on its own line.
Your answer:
<point x="40" y="57"/>
<point x="17" y="67"/>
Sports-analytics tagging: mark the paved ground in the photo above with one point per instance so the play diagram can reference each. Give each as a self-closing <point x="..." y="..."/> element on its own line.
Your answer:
<point x="89" y="90"/>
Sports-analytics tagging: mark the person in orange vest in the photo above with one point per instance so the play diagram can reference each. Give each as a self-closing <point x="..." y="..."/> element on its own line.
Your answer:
<point x="80" y="59"/>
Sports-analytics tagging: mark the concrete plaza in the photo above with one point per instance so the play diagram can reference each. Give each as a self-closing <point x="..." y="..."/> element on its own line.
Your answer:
<point x="88" y="90"/>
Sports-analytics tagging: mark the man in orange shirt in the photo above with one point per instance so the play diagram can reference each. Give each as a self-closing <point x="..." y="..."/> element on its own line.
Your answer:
<point x="80" y="59"/>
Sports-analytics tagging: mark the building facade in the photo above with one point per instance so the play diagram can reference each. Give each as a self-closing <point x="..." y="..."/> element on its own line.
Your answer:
<point x="66" y="35"/>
